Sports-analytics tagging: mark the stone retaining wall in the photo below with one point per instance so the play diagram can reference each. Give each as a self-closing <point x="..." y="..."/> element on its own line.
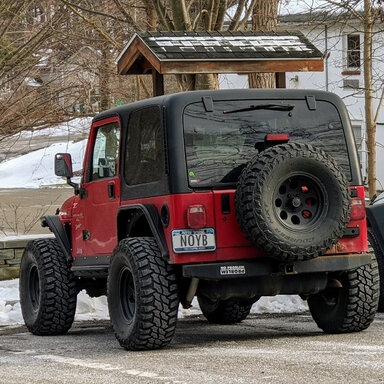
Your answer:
<point x="11" y="251"/>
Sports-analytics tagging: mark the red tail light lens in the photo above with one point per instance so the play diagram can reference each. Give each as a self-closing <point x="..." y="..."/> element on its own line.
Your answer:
<point x="277" y="137"/>
<point x="196" y="216"/>
<point x="357" y="209"/>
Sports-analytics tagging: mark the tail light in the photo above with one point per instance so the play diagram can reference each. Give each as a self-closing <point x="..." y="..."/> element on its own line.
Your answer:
<point x="281" y="137"/>
<point x="196" y="216"/>
<point x="357" y="209"/>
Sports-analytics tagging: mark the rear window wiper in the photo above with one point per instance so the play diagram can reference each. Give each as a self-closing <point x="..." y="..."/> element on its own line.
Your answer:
<point x="271" y="107"/>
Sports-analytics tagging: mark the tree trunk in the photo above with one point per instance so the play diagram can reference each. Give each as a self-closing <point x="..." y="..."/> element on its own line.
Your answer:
<point x="369" y="119"/>
<point x="264" y="18"/>
<point x="151" y="15"/>
<point x="104" y="80"/>
<point x="198" y="82"/>
<point x="181" y="18"/>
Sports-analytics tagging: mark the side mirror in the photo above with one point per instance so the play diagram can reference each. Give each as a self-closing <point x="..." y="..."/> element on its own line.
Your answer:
<point x="63" y="165"/>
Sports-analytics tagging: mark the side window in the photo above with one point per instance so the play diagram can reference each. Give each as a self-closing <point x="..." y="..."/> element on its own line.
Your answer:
<point x="144" y="159"/>
<point x="105" y="152"/>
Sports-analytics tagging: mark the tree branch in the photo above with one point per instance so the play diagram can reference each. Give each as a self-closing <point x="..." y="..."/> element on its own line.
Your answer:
<point x="127" y="16"/>
<point x="93" y="24"/>
<point x="236" y="18"/>
<point x="163" y="15"/>
<point x="247" y="15"/>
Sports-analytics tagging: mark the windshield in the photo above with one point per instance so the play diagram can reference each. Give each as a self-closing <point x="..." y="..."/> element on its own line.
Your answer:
<point x="218" y="144"/>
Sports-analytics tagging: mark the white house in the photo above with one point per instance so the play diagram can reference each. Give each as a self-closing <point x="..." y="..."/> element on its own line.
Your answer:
<point x="342" y="44"/>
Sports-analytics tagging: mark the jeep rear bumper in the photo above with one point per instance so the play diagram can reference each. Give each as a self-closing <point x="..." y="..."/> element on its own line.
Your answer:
<point x="270" y="267"/>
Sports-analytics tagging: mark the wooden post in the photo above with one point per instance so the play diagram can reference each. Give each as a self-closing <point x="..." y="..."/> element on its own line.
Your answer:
<point x="280" y="80"/>
<point x="158" y="83"/>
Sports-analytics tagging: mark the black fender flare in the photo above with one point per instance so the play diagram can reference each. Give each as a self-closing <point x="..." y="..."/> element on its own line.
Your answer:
<point x="55" y="225"/>
<point x="152" y="215"/>
<point x="375" y="217"/>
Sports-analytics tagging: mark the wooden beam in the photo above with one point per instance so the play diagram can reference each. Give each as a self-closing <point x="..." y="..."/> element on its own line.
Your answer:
<point x="158" y="83"/>
<point x="132" y="54"/>
<point x="249" y="66"/>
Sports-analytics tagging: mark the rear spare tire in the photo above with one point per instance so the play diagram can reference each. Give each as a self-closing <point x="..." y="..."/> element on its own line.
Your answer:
<point x="292" y="202"/>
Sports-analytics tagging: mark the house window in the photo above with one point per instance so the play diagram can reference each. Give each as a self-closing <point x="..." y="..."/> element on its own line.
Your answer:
<point x="353" y="52"/>
<point x="348" y="83"/>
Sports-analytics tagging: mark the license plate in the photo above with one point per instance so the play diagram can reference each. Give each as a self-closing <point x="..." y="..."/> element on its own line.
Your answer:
<point x="191" y="240"/>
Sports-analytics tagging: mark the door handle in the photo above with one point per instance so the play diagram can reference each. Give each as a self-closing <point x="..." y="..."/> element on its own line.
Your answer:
<point x="111" y="190"/>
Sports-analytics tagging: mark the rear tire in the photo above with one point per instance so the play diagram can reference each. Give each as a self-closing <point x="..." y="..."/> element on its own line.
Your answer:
<point x="142" y="295"/>
<point x="380" y="262"/>
<point x="48" y="289"/>
<point x="225" y="311"/>
<point x="350" y="303"/>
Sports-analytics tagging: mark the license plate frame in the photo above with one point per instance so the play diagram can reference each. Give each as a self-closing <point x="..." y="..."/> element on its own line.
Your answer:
<point x="193" y="240"/>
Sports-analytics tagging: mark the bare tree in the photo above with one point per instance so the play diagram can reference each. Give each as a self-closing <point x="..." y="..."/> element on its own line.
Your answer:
<point x="369" y="14"/>
<point x="264" y="18"/>
<point x="208" y="15"/>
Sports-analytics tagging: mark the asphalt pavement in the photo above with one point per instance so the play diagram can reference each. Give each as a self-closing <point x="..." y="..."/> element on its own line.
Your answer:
<point x="262" y="349"/>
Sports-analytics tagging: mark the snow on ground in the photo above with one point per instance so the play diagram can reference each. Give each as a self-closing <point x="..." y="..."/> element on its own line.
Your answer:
<point x="96" y="308"/>
<point x="70" y="128"/>
<point x="36" y="169"/>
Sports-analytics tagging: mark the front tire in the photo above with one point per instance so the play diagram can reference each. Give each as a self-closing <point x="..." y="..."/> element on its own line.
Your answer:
<point x="142" y="295"/>
<point x="48" y="289"/>
<point x="349" y="303"/>
<point x="225" y="311"/>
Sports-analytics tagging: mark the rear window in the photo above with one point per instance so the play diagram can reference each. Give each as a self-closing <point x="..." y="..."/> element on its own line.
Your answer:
<point x="218" y="145"/>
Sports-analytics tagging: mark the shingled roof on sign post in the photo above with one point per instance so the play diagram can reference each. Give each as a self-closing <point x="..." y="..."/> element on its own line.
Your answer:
<point x="218" y="52"/>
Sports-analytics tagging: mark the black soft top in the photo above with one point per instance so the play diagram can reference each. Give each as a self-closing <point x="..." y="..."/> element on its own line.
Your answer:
<point x="174" y="105"/>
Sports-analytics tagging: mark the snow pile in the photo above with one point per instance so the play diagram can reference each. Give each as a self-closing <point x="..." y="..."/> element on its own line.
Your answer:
<point x="280" y="304"/>
<point x="36" y="169"/>
<point x="10" y="311"/>
<point x="97" y="309"/>
<point x="91" y="308"/>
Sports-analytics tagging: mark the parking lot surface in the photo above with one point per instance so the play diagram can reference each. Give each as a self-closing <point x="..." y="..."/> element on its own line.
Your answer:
<point x="262" y="349"/>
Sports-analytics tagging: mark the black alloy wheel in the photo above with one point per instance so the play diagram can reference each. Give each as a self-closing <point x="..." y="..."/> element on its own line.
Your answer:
<point x="127" y="294"/>
<point x="299" y="200"/>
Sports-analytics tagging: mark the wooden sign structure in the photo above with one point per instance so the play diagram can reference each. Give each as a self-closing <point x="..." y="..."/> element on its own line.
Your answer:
<point x="163" y="53"/>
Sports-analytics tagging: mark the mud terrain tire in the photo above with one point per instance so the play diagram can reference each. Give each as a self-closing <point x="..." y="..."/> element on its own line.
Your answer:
<point x="349" y="303"/>
<point x="292" y="202"/>
<point x="48" y="289"/>
<point x="225" y="311"/>
<point x="380" y="262"/>
<point x="142" y="295"/>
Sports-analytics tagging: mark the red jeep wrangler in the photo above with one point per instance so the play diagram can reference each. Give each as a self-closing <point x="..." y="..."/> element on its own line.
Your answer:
<point x="224" y="195"/>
